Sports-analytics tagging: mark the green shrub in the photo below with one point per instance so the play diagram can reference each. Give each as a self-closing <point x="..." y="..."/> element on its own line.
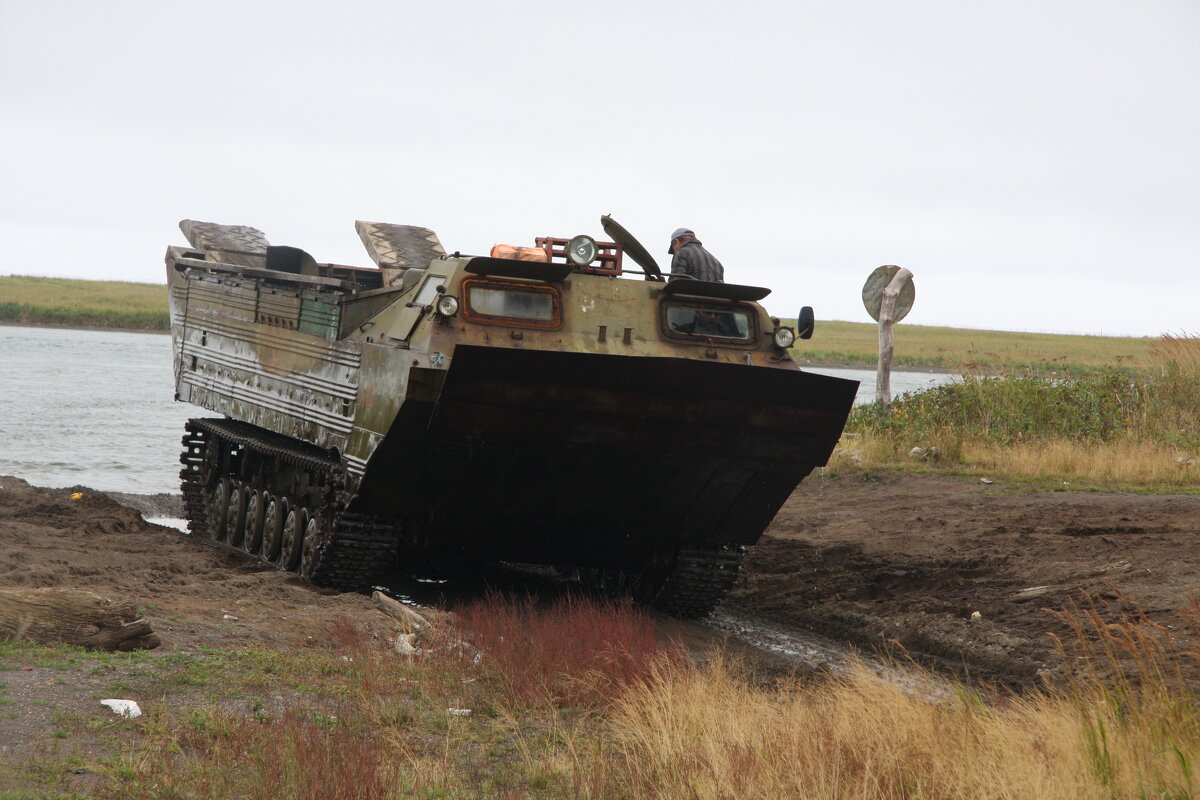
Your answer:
<point x="1013" y="409"/>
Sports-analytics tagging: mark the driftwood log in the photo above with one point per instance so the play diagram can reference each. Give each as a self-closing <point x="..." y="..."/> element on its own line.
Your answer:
<point x="71" y="616"/>
<point x="411" y="620"/>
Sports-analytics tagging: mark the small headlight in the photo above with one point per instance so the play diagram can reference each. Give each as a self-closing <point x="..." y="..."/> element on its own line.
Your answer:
<point x="581" y="250"/>
<point x="447" y="305"/>
<point x="784" y="338"/>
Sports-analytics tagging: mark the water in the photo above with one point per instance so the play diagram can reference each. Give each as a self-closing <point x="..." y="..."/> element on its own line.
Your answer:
<point x="89" y="407"/>
<point x="901" y="381"/>
<point x="96" y="408"/>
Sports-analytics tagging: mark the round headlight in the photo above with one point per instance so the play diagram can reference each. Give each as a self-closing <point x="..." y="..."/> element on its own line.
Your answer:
<point x="784" y="338"/>
<point x="581" y="250"/>
<point x="447" y="305"/>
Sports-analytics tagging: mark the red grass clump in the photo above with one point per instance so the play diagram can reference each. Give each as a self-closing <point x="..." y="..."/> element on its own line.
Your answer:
<point x="346" y="634"/>
<point x="323" y="764"/>
<point x="577" y="652"/>
<point x="295" y="757"/>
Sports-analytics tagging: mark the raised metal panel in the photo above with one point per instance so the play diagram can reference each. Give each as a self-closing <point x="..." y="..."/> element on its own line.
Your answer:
<point x="238" y="244"/>
<point x="246" y="359"/>
<point x="319" y="317"/>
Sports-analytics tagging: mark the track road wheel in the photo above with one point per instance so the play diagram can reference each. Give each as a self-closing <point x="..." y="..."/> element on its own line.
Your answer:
<point x="309" y="555"/>
<point x="293" y="538"/>
<point x="273" y="516"/>
<point x="640" y="586"/>
<point x="218" y="509"/>
<point x="235" y="517"/>
<point x="699" y="580"/>
<point x="256" y="507"/>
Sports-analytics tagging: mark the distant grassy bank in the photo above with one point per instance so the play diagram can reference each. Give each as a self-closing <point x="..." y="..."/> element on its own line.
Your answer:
<point x="962" y="349"/>
<point x="143" y="306"/>
<point x="28" y="300"/>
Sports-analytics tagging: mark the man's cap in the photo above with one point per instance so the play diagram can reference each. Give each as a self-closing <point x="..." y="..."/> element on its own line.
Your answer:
<point x="679" y="232"/>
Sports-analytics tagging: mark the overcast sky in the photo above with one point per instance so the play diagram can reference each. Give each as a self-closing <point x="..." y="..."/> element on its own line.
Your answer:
<point x="1035" y="164"/>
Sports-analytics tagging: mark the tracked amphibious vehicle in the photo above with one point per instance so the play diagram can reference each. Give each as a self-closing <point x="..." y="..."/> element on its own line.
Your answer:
<point x="537" y="405"/>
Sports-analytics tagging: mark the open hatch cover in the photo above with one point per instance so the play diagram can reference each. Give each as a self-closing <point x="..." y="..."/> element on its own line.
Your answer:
<point x="632" y="247"/>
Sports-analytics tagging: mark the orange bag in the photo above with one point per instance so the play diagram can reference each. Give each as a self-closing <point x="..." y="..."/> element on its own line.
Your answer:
<point x="519" y="253"/>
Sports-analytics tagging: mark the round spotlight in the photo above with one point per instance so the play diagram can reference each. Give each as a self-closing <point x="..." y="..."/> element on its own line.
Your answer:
<point x="447" y="305"/>
<point x="784" y="338"/>
<point x="581" y="250"/>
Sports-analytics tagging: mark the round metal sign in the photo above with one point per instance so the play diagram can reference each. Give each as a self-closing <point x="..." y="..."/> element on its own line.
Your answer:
<point x="872" y="293"/>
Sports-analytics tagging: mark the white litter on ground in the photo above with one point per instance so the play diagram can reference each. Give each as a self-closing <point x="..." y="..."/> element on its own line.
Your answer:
<point x="123" y="708"/>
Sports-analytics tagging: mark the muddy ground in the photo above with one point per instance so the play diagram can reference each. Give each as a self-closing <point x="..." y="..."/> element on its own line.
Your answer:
<point x="886" y="557"/>
<point x="864" y="559"/>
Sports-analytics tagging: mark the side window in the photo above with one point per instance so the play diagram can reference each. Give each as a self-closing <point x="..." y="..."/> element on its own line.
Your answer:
<point x="429" y="290"/>
<point x="414" y="311"/>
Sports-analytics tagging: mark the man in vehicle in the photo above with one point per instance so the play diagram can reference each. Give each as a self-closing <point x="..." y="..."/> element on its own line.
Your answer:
<point x="692" y="260"/>
<point x="707" y="322"/>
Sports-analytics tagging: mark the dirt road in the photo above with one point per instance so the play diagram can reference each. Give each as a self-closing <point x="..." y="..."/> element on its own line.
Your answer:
<point x="863" y="559"/>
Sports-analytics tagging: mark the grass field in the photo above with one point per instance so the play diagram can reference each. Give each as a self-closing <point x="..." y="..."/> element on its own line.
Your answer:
<point x="90" y="304"/>
<point x="962" y="349"/>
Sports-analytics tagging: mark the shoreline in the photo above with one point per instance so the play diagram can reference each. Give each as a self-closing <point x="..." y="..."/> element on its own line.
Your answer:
<point x="922" y="369"/>
<point x="925" y="369"/>
<point x="64" y="327"/>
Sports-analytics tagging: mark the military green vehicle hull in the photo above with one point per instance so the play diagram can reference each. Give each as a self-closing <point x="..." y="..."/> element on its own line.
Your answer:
<point x="480" y="409"/>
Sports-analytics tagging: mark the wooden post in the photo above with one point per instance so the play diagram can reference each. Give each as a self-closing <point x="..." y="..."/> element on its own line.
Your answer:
<point x="887" y="318"/>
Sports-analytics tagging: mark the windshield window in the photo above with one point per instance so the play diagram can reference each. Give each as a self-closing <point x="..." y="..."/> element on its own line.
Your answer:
<point x="505" y="303"/>
<point x="535" y="306"/>
<point x="708" y="322"/>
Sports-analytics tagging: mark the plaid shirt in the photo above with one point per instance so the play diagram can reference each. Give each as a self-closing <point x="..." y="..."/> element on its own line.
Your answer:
<point x="692" y="259"/>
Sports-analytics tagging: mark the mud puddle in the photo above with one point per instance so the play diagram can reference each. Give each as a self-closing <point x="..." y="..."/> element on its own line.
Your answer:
<point x="808" y="650"/>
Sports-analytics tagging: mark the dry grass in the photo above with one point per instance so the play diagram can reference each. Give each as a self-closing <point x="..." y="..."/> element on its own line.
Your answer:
<point x="1183" y="350"/>
<point x="1174" y="383"/>
<point x="1124" y="725"/>
<point x="705" y="734"/>
<point x="1127" y="463"/>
